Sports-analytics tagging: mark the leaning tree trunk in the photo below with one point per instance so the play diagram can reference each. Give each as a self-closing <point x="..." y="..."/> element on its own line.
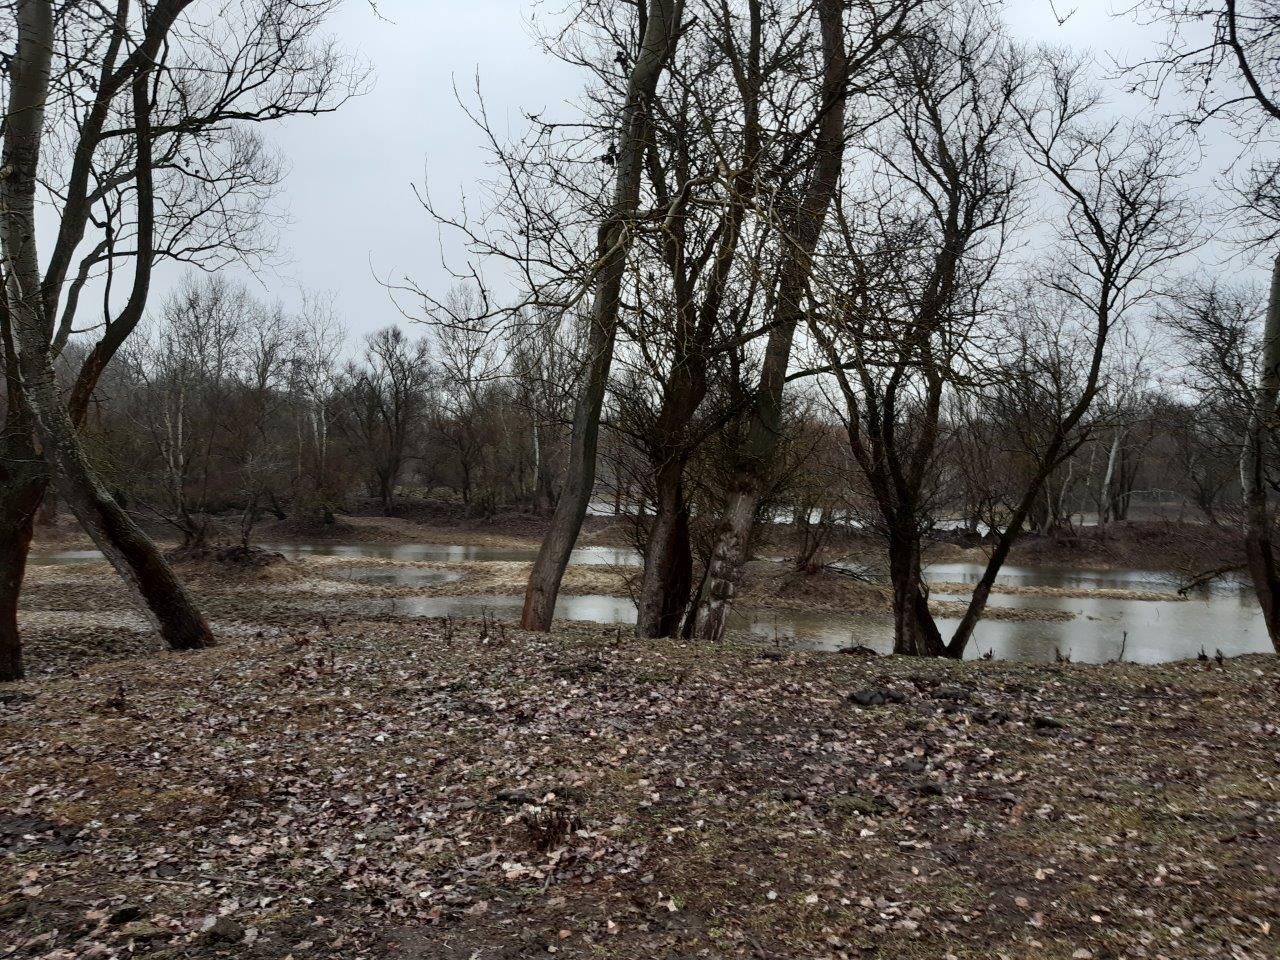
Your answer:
<point x="1259" y="549"/>
<point x="1061" y="447"/>
<point x="613" y="243"/>
<point x="132" y="554"/>
<point x="764" y="433"/>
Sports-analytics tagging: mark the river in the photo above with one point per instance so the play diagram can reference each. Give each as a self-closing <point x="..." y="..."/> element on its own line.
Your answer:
<point x="1222" y="617"/>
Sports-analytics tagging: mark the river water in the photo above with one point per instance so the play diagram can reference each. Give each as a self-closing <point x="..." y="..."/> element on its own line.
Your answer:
<point x="1223" y="617"/>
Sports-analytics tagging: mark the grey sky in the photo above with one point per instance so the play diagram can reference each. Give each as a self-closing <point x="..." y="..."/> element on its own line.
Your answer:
<point x="349" y="197"/>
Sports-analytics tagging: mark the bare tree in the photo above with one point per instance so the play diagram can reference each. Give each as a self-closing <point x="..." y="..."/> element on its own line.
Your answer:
<point x="907" y="323"/>
<point x="1225" y="55"/>
<point x="544" y="372"/>
<point x="210" y="378"/>
<point x="186" y="376"/>
<point x="136" y="123"/>
<point x="314" y="380"/>
<point x="1215" y="328"/>
<point x="31" y="314"/>
<point x="693" y="294"/>
<point x="659" y="30"/>
<point x="471" y="366"/>
<point x="1124" y="221"/>
<point x="386" y="399"/>
<point x="801" y="217"/>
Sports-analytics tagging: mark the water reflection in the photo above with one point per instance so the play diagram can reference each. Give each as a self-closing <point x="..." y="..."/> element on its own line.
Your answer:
<point x="1150" y="631"/>
<point x="1223" y="617"/>
<point x="408" y="552"/>
<point x="1077" y="578"/>
<point x="811" y="629"/>
<point x="397" y="576"/>
<point x="1156" y="630"/>
<point x="41" y="558"/>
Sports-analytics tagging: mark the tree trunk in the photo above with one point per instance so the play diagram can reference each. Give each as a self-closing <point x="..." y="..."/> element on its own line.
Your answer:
<point x="613" y="244"/>
<point x="915" y="633"/>
<point x="544" y="497"/>
<point x="1106" y="492"/>
<point x="47" y="516"/>
<point x="132" y="554"/>
<point x="387" y="494"/>
<point x="668" y="560"/>
<point x="121" y="541"/>
<point x="764" y="433"/>
<point x="1259" y="549"/>
<point x="728" y="557"/>
<point x="982" y="590"/>
<point x="23" y="479"/>
<point x="277" y="511"/>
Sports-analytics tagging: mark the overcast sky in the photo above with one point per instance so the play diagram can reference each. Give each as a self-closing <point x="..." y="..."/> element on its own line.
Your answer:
<point x="353" y="217"/>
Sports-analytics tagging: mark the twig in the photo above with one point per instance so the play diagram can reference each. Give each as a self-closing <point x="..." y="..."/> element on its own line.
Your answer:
<point x="1208" y="576"/>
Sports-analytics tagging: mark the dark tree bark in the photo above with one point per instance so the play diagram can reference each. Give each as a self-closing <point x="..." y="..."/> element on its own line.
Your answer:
<point x="613" y="243"/>
<point x="668" y="562"/>
<point x="764" y="432"/>
<point x="915" y="632"/>
<point x="23" y="481"/>
<point x="133" y="555"/>
<point x="23" y="477"/>
<point x="47" y="515"/>
<point x="672" y="441"/>
<point x="387" y="495"/>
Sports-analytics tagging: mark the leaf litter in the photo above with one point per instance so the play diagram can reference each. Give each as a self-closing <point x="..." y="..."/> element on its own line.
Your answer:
<point x="424" y="789"/>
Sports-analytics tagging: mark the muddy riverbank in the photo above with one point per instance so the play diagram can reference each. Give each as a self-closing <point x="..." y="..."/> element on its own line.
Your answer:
<point x="378" y="566"/>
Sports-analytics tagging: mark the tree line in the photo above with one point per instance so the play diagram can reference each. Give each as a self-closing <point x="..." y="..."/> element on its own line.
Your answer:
<point x="224" y="404"/>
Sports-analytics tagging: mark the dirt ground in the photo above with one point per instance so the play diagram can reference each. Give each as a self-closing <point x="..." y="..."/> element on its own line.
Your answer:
<point x="332" y="781"/>
<point x="332" y="786"/>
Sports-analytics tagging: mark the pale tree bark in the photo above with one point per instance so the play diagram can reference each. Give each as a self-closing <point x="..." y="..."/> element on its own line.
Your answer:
<point x="124" y="544"/>
<point x="1259" y="549"/>
<point x="613" y="243"/>
<point x="1105" y="498"/>
<point x="733" y="534"/>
